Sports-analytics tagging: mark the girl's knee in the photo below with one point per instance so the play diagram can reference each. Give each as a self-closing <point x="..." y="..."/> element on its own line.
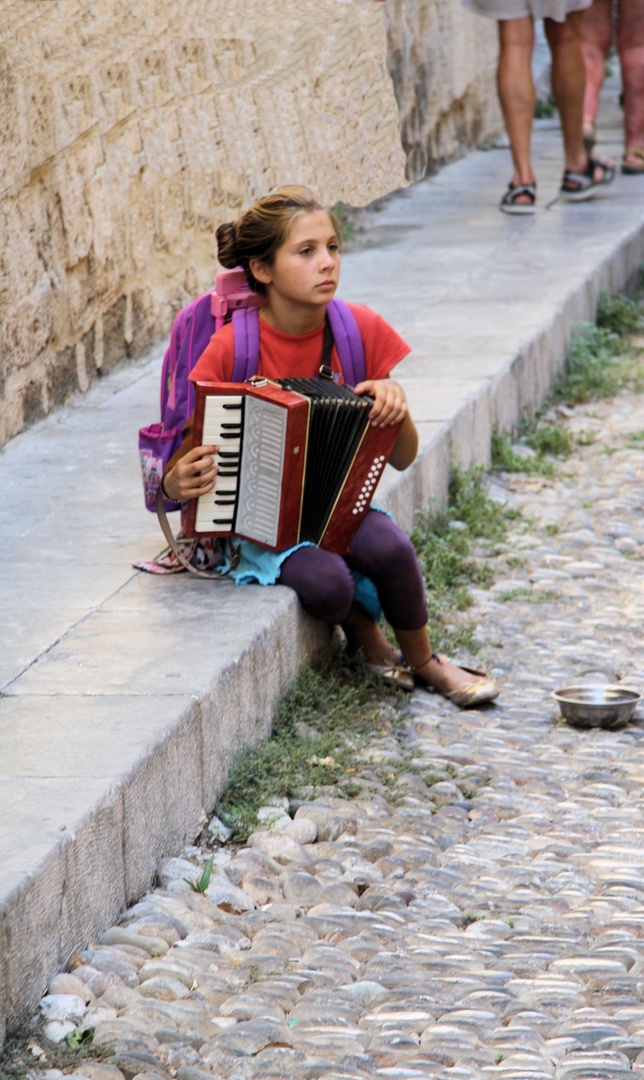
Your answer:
<point x="385" y="547"/>
<point x="322" y="581"/>
<point x="331" y="599"/>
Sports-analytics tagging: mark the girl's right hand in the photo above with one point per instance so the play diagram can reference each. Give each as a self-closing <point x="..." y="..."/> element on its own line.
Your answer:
<point x="193" y="475"/>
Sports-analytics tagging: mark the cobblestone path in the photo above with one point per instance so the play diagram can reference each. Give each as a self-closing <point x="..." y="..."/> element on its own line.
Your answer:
<point x="489" y="920"/>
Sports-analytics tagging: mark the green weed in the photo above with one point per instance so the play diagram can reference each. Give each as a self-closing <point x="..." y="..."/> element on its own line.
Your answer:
<point x="552" y="529"/>
<point x="201" y="884"/>
<point x="514" y="594"/>
<point x="619" y="314"/>
<point x="308" y="748"/>
<point x="591" y="371"/>
<point x="528" y="595"/>
<point x="27" y="1051"/>
<point x="505" y="459"/>
<point x="548" y="438"/>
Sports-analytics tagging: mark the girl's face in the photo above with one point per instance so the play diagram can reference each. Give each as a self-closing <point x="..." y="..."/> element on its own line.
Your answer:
<point x="306" y="268"/>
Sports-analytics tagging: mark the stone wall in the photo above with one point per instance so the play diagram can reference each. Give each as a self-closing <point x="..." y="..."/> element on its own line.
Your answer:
<point x="442" y="61"/>
<point x="128" y="132"/>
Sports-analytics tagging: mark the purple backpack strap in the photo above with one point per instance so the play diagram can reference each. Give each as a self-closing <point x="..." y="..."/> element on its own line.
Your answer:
<point x="346" y="335"/>
<point x="246" y="337"/>
<point x="348" y="342"/>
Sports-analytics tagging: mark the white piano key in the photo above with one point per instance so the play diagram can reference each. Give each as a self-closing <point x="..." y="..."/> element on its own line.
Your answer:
<point x="215" y="417"/>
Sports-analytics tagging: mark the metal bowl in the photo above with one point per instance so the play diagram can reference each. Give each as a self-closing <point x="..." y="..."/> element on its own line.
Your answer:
<point x="597" y="705"/>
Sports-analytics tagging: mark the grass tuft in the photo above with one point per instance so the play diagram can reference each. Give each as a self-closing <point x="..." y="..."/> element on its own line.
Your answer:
<point x="27" y="1051"/>
<point x="591" y="372"/>
<point x="201" y="884"/>
<point x="319" y="725"/>
<point x="547" y="438"/>
<point x="619" y="314"/>
<point x="505" y="459"/>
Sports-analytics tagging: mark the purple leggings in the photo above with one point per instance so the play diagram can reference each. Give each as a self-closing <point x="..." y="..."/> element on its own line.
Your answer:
<point x="379" y="550"/>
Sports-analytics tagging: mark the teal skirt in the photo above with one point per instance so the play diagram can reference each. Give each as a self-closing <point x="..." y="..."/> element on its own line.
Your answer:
<point x="258" y="565"/>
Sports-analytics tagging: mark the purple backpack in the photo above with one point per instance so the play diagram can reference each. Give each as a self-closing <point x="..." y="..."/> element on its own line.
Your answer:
<point x="191" y="333"/>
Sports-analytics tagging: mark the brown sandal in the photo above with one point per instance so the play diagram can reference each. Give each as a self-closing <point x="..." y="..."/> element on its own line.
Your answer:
<point x="633" y="170"/>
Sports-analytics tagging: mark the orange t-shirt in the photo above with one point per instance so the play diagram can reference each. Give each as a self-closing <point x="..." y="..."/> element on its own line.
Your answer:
<point x="300" y="355"/>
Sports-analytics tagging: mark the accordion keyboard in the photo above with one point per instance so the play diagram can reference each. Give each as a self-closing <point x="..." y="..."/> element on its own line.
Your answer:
<point x="222" y="427"/>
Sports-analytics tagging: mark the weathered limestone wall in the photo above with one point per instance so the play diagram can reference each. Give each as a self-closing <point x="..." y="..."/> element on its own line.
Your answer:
<point x="129" y="131"/>
<point x="442" y="61"/>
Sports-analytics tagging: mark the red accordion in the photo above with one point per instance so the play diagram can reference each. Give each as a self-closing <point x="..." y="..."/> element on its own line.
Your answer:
<point x="298" y="461"/>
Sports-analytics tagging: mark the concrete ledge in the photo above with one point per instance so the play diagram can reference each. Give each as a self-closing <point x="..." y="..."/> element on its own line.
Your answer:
<point x="124" y="696"/>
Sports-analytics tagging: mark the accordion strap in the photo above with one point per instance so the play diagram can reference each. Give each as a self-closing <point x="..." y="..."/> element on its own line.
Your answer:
<point x="174" y="547"/>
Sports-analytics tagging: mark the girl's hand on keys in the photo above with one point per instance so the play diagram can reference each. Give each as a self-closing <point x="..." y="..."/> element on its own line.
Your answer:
<point x="390" y="403"/>
<point x="193" y="475"/>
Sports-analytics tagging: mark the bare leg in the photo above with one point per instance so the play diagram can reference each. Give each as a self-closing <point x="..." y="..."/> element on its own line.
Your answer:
<point x="516" y="93"/>
<point x="630" y="41"/>
<point x="363" y="633"/>
<point x="568" y="87"/>
<point x="596" y="35"/>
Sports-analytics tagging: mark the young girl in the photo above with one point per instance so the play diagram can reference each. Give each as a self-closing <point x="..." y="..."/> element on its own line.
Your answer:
<point x="288" y="245"/>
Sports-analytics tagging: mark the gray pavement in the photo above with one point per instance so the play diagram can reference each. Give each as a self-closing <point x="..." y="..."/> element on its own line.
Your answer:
<point x="123" y="696"/>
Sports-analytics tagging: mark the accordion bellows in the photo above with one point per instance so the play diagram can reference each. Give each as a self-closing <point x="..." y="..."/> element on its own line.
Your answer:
<point x="298" y="461"/>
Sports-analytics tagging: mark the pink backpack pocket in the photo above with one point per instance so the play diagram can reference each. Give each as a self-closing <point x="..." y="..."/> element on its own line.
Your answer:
<point x="156" y="447"/>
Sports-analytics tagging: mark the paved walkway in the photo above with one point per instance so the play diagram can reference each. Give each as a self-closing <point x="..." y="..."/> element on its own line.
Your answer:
<point x="477" y="913"/>
<point x="124" y="695"/>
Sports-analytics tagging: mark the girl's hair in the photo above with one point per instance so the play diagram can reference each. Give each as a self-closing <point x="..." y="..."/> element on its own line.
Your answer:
<point x="263" y="228"/>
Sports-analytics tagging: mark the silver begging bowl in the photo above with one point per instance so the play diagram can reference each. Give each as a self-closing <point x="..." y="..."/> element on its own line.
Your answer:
<point x="597" y="705"/>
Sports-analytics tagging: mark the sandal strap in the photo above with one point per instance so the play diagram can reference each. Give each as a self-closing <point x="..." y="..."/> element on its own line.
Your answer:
<point x="514" y="191"/>
<point x="586" y="179"/>
<point x="425" y="662"/>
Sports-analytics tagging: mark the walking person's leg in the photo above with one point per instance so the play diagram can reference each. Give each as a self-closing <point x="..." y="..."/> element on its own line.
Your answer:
<point x="630" y="44"/>
<point x="596" y="37"/>
<point x="517" y="98"/>
<point x="583" y="174"/>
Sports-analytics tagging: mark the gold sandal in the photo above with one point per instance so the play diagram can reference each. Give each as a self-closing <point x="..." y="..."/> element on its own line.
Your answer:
<point x="470" y="694"/>
<point x="477" y="693"/>
<point x="393" y="675"/>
